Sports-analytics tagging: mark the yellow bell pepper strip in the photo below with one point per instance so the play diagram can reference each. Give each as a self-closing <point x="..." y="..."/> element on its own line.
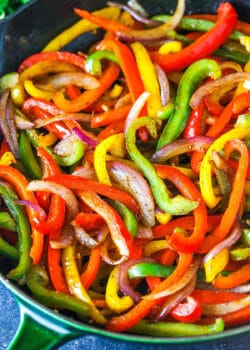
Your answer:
<point x="190" y="80"/>
<point x="38" y="283"/>
<point x="23" y="230"/>
<point x="140" y="310"/>
<point x="80" y="27"/>
<point x="177" y="205"/>
<point x="74" y="283"/>
<point x="215" y="265"/>
<point x="116" y="303"/>
<point x="34" y="91"/>
<point x="45" y="67"/>
<point x="7" y="158"/>
<point x="204" y="45"/>
<point x="120" y="235"/>
<point x="238" y="188"/>
<point x="234" y="279"/>
<point x="113" y="144"/>
<point x="155" y="246"/>
<point x="179" y="242"/>
<point x="205" y="169"/>
<point x="149" y="78"/>
<point x="20" y="182"/>
<point x="89" y="96"/>
<point x="177" y="329"/>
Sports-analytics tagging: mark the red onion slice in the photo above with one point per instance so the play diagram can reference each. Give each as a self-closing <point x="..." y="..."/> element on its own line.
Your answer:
<point x="123" y="279"/>
<point x="197" y="143"/>
<point x="231" y="79"/>
<point x="164" y="84"/>
<point x="85" y="137"/>
<point x="81" y="117"/>
<point x="133" y="182"/>
<point x="41" y="213"/>
<point x="79" y="79"/>
<point x="227" y="242"/>
<point x="83" y="237"/>
<point x="189" y="275"/>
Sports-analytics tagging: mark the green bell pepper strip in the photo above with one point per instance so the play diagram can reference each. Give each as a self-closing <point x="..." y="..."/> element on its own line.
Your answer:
<point x="27" y="156"/>
<point x="176" y="329"/>
<point x="190" y="80"/>
<point x="6" y="249"/>
<point x="177" y="205"/>
<point x="23" y="232"/>
<point x="245" y="237"/>
<point x="194" y="24"/>
<point x="128" y="217"/>
<point x="76" y="153"/>
<point x="241" y="253"/>
<point x="148" y="269"/>
<point x="8" y="80"/>
<point x="93" y="61"/>
<point x="37" y="281"/>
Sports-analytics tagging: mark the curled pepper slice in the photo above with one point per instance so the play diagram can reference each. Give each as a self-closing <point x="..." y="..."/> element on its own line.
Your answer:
<point x="177" y="205"/>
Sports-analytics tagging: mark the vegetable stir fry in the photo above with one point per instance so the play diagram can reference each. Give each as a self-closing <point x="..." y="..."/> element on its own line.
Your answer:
<point x="125" y="178"/>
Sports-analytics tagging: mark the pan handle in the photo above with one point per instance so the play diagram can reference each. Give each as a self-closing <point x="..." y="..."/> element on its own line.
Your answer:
<point x="38" y="332"/>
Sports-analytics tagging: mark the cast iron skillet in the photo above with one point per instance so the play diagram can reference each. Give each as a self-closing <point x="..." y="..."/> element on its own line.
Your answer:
<point x="27" y="32"/>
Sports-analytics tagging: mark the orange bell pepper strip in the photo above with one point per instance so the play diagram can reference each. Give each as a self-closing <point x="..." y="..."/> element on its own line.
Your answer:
<point x="88" y="276"/>
<point x="73" y="91"/>
<point x="113" y="115"/>
<point x="88" y="97"/>
<point x="140" y="310"/>
<point x="235" y="200"/>
<point x="19" y="181"/>
<point x="79" y="183"/>
<point x="242" y="275"/>
<point x="237" y="318"/>
<point x="177" y="241"/>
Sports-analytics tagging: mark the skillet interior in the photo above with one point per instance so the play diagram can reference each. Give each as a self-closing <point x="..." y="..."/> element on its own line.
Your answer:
<point x="27" y="32"/>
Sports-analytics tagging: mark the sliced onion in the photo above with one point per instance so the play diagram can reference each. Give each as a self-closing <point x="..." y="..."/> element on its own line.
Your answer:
<point x="164" y="84"/>
<point x="183" y="282"/>
<point x="140" y="17"/>
<point x="23" y="124"/>
<point x="225" y="308"/>
<point x="123" y="279"/>
<point x="174" y="299"/>
<point x="244" y="288"/>
<point x="83" y="237"/>
<point x="8" y="123"/>
<point x="34" y="206"/>
<point x="64" y="147"/>
<point x="81" y="117"/>
<point x="231" y="79"/>
<point x="144" y="232"/>
<point x="136" y="109"/>
<point x="134" y="183"/>
<point x="85" y="137"/>
<point x="79" y="79"/>
<point x="88" y="172"/>
<point x="67" y="235"/>
<point x="154" y="33"/>
<point x="197" y="143"/>
<point x="227" y="242"/>
<point x="106" y="257"/>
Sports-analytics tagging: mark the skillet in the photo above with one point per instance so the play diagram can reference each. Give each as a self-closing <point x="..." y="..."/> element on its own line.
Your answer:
<point x="26" y="32"/>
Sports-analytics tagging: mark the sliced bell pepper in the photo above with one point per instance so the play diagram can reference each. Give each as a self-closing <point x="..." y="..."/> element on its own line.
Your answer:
<point x="88" y="276"/>
<point x="236" y="278"/>
<point x="188" y="311"/>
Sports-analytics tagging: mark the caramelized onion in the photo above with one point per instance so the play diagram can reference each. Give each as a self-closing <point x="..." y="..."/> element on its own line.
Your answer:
<point x="79" y="79"/>
<point x="225" y="308"/>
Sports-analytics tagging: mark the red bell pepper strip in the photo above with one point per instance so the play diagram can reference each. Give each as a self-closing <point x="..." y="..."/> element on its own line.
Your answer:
<point x="242" y="275"/>
<point x="140" y="310"/>
<point x="120" y="235"/>
<point x="61" y="56"/>
<point x="54" y="224"/>
<point x="82" y="184"/>
<point x="177" y="241"/>
<point x="73" y="91"/>
<point x="189" y="311"/>
<point x="88" y="276"/>
<point x="88" y="97"/>
<point x="43" y="109"/>
<point x="204" y="45"/>
<point x="205" y="296"/>
<point x="111" y="129"/>
<point x="229" y="216"/>
<point x="19" y="181"/>
<point x="193" y="126"/>
<point x="89" y="221"/>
